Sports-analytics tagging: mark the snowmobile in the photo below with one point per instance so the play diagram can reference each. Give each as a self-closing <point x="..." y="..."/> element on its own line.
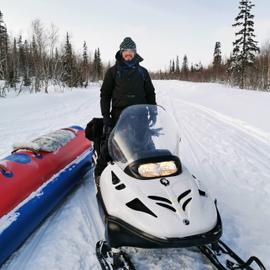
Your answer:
<point x="149" y="199"/>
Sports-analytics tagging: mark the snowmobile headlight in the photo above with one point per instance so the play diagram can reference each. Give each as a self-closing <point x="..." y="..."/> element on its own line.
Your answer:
<point x="159" y="169"/>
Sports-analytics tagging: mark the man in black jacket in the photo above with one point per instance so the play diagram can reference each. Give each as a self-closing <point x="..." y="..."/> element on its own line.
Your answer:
<point x="126" y="83"/>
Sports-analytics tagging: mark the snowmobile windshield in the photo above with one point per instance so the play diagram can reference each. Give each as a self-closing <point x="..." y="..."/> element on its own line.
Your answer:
<point x="143" y="132"/>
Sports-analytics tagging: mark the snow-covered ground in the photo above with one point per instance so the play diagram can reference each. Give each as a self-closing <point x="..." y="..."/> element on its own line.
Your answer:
<point x="225" y="143"/>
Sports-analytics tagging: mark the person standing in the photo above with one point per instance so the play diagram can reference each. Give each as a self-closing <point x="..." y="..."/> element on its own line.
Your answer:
<point x="126" y="83"/>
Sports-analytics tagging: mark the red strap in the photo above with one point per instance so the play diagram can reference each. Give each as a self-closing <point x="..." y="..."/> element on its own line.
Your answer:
<point x="70" y="129"/>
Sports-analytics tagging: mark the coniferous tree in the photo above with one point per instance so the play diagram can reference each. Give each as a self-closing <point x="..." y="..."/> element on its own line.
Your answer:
<point x="177" y="66"/>
<point x="185" y="69"/>
<point x="97" y="65"/>
<point x="94" y="78"/>
<point x="13" y="65"/>
<point x="85" y="54"/>
<point x="85" y="65"/>
<point x="26" y="69"/>
<point x="217" y="61"/>
<point x="3" y="49"/>
<point x="173" y="66"/>
<point x="68" y="64"/>
<point x="245" y="47"/>
<point x="170" y="67"/>
<point x="217" y="55"/>
<point x="21" y="56"/>
<point x="192" y="69"/>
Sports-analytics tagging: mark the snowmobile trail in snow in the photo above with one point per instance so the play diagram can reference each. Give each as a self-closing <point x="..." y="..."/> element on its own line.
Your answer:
<point x="233" y="163"/>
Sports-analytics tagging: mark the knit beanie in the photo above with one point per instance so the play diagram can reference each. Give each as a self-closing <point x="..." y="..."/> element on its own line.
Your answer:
<point x="127" y="43"/>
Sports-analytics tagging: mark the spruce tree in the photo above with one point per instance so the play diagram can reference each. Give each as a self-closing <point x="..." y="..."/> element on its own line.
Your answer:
<point x="85" y="54"/>
<point x="170" y="67"/>
<point x="185" y="69"/>
<point x="217" y="61"/>
<point x="97" y="65"/>
<point x="68" y="63"/>
<point x="244" y="47"/>
<point x="173" y="66"/>
<point x="217" y="55"/>
<point x="177" y="66"/>
<point x="26" y="70"/>
<point x="85" y="66"/>
<point x="3" y="49"/>
<point x="192" y="69"/>
<point x="21" y="58"/>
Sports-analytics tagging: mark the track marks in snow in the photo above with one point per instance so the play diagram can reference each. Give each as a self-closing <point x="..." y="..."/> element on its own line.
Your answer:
<point x="168" y="259"/>
<point x="234" y="164"/>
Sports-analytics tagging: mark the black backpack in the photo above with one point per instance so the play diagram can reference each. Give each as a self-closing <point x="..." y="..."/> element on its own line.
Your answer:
<point x="93" y="132"/>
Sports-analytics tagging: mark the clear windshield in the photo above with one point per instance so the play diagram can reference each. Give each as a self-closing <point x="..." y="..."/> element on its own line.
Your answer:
<point x="143" y="131"/>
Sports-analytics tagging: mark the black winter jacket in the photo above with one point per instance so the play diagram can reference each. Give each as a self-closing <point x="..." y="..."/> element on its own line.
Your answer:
<point x="124" y="86"/>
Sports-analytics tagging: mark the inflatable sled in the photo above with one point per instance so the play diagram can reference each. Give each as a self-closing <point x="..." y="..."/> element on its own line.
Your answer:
<point x="35" y="178"/>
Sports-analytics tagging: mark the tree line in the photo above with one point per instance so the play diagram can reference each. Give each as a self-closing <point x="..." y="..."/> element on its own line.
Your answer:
<point x="247" y="67"/>
<point x="37" y="63"/>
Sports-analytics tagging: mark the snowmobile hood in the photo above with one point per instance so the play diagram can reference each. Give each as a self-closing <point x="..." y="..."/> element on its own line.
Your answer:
<point x="137" y="57"/>
<point x="182" y="207"/>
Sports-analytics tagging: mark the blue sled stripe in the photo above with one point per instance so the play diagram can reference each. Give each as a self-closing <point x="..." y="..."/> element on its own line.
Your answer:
<point x="33" y="212"/>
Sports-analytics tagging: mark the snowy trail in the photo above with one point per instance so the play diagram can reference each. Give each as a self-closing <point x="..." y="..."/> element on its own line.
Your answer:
<point x="229" y="156"/>
<point x="234" y="165"/>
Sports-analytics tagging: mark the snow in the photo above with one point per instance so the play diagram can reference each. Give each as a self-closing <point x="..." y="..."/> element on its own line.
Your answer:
<point x="225" y="143"/>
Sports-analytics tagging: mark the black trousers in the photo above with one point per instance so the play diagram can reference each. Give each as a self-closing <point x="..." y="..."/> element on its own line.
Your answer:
<point x="104" y="156"/>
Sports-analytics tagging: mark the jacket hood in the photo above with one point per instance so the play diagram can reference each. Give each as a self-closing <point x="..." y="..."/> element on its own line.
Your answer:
<point x="137" y="57"/>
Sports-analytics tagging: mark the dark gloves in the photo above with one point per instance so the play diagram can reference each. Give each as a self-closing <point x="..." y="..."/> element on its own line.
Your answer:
<point x="107" y="125"/>
<point x="107" y="121"/>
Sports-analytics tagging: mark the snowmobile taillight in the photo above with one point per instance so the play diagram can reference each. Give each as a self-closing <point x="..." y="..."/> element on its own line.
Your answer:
<point x="159" y="169"/>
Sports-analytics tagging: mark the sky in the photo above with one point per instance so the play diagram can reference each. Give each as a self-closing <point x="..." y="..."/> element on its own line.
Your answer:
<point x="161" y="29"/>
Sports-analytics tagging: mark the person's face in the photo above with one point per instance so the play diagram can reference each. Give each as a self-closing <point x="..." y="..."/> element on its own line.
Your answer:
<point x="128" y="55"/>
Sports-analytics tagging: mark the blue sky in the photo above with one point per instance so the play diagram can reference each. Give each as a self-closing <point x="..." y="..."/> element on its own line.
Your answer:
<point x="161" y="29"/>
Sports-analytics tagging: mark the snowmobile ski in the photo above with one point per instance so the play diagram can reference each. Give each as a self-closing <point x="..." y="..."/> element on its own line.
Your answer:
<point x="112" y="259"/>
<point x="224" y="258"/>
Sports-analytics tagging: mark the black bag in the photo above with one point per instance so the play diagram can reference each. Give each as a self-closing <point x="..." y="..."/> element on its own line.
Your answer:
<point x="93" y="132"/>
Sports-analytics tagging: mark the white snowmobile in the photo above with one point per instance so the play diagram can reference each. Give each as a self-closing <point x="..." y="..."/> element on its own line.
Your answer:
<point x="149" y="199"/>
